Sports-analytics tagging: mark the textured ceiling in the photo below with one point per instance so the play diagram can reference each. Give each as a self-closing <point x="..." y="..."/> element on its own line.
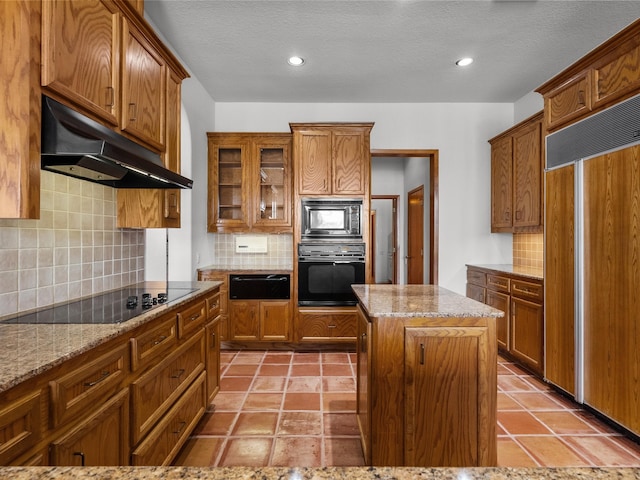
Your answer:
<point x="382" y="51"/>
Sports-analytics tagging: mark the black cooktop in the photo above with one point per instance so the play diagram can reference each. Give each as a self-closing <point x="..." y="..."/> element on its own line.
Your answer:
<point x="116" y="306"/>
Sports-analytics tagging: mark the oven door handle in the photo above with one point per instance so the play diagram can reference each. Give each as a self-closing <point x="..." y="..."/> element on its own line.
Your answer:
<point x="347" y="261"/>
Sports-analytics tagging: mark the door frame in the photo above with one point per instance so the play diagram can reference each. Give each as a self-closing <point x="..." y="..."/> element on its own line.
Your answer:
<point x="432" y="155"/>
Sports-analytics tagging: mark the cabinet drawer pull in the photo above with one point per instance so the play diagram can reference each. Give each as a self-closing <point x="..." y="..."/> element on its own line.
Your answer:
<point x="104" y="376"/>
<point x="160" y="339"/>
<point x="179" y="431"/>
<point x="581" y="100"/>
<point x="178" y="374"/>
<point x="331" y="326"/>
<point x="422" y="354"/>
<point x="194" y="317"/>
<point x="81" y="455"/>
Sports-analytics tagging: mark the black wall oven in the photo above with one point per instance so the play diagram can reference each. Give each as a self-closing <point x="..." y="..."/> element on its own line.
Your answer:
<point x="326" y="272"/>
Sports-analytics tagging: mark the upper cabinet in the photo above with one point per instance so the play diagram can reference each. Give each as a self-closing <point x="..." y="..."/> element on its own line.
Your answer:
<point x="332" y="158"/>
<point x="81" y="55"/>
<point x="249" y="182"/>
<point x="20" y="110"/>
<point x="516" y="178"/>
<point x="607" y="75"/>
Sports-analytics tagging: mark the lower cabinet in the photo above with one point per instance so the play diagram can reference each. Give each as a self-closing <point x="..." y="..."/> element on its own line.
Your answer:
<point x="102" y="439"/>
<point x="331" y="324"/>
<point x="520" y="333"/>
<point x="263" y="320"/>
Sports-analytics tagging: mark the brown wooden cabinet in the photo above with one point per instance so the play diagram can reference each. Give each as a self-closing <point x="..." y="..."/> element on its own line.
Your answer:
<point x="332" y="159"/>
<point x="327" y="325"/>
<point x="102" y="439"/>
<point x="262" y="320"/>
<point x="249" y="182"/>
<point x="427" y="391"/>
<point x="219" y="276"/>
<point x="21" y="109"/>
<point x="516" y="178"/>
<point x="20" y="425"/>
<point x="520" y="333"/>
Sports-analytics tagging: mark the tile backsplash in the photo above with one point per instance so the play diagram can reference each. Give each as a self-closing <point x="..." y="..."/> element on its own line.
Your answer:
<point x="279" y="254"/>
<point x="72" y="251"/>
<point x="528" y="250"/>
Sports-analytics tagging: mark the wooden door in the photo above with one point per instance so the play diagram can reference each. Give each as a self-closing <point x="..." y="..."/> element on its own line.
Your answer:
<point x="275" y="321"/>
<point x="244" y="319"/>
<point x="143" y="88"/>
<point x="611" y="285"/>
<point x="446" y="422"/>
<point x="527" y="176"/>
<point x="100" y="440"/>
<point x="349" y="167"/>
<point x="501" y="184"/>
<point x="80" y="57"/>
<point x="501" y="301"/>
<point x="313" y="161"/>
<point x="415" y="236"/>
<point x="559" y="275"/>
<point x="527" y="333"/>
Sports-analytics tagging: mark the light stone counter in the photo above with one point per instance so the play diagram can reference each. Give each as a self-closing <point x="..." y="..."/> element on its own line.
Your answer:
<point x="530" y="272"/>
<point x="330" y="473"/>
<point x="27" y="350"/>
<point x="419" y="301"/>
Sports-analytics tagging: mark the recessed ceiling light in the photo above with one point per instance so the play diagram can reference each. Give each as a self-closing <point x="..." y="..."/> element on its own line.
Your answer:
<point x="295" y="61"/>
<point x="463" y="62"/>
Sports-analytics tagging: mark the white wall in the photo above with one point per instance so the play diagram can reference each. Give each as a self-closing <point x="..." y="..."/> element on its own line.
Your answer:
<point x="528" y="105"/>
<point x="460" y="133"/>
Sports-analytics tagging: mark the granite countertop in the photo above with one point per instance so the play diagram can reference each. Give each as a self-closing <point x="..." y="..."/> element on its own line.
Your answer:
<point x="228" y="268"/>
<point x="329" y="473"/>
<point x="419" y="301"/>
<point x="528" y="272"/>
<point x="27" y="350"/>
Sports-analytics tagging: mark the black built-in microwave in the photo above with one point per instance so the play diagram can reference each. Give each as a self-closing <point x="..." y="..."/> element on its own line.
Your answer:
<point x="331" y="219"/>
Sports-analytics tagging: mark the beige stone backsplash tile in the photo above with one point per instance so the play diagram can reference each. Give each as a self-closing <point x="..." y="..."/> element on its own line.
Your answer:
<point x="9" y="281"/>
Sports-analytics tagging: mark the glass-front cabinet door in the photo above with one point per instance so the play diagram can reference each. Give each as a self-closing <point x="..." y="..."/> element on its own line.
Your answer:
<point x="228" y="184"/>
<point x="272" y="183"/>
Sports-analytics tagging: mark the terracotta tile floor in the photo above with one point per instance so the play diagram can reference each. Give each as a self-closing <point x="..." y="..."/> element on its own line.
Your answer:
<point x="298" y="409"/>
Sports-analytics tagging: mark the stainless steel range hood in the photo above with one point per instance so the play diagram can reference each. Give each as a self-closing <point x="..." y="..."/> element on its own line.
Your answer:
<point x="75" y="145"/>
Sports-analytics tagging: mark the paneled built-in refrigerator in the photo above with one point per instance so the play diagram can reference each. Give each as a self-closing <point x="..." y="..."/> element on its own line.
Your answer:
<point x="592" y="262"/>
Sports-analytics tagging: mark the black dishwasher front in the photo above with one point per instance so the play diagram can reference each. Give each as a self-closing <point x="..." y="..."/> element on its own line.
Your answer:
<point x="260" y="287"/>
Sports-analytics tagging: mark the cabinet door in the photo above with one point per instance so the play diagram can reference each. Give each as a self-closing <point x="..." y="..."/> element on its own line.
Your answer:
<point x="450" y="397"/>
<point x="171" y="213"/>
<point x="228" y="202"/>
<point x="100" y="440"/>
<point x="475" y="292"/>
<point x="527" y="175"/>
<point x="569" y="101"/>
<point x="363" y="394"/>
<point x="349" y="163"/>
<point x="501" y="302"/>
<point x="527" y="343"/>
<point x="244" y="320"/>
<point x="80" y="55"/>
<point x="212" y="358"/>
<point x="313" y="162"/>
<point x="275" y="321"/>
<point x="559" y="278"/>
<point x="271" y="180"/>
<point x="143" y="88"/>
<point x="501" y="184"/>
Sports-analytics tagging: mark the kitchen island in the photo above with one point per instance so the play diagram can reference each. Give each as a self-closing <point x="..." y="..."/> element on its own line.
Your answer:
<point x="427" y="377"/>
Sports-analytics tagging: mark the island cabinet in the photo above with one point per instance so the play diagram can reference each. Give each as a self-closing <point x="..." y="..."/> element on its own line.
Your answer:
<point x="516" y="178"/>
<point x="132" y="400"/>
<point x="249" y="182"/>
<point x="520" y="333"/>
<point x="332" y="158"/>
<point x="427" y="377"/>
<point x="327" y="325"/>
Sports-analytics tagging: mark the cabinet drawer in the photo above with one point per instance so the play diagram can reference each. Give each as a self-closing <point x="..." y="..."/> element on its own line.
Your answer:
<point x="527" y="290"/>
<point x="161" y="386"/>
<point x="476" y="277"/>
<point x="191" y="318"/>
<point x="475" y="292"/>
<point x="330" y="326"/>
<point x="569" y="101"/>
<point x="213" y="305"/>
<point x="20" y="426"/>
<point x="619" y="75"/>
<point x="498" y="283"/>
<point x="85" y="387"/>
<point x="164" y="442"/>
<point x="147" y="346"/>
